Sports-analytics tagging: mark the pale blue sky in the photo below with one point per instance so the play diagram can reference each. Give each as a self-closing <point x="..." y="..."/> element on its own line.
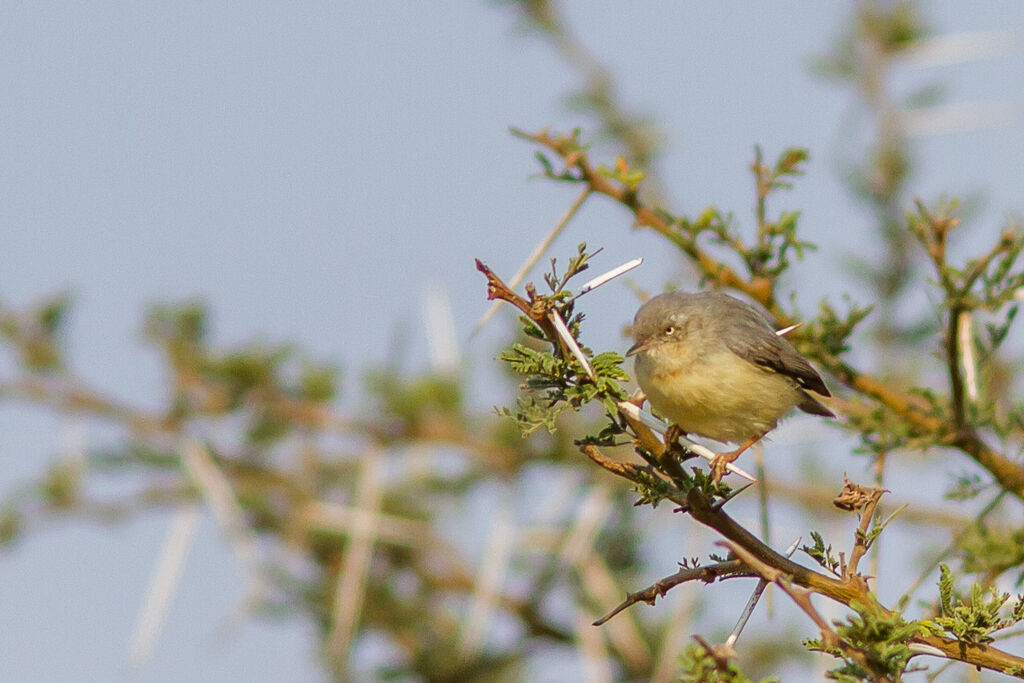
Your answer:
<point x="308" y="168"/>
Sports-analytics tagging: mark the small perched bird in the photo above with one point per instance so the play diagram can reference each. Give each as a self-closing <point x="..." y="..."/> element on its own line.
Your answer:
<point x="714" y="366"/>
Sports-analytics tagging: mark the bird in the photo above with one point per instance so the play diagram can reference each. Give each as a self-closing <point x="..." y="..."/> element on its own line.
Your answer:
<point x="714" y="366"/>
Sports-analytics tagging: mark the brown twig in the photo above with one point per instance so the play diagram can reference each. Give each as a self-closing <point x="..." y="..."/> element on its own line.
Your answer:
<point x="638" y="474"/>
<point x="708" y="573"/>
<point x="758" y="288"/>
<point x="772" y="574"/>
<point x="536" y="308"/>
<point x="63" y="396"/>
<point x="776" y="568"/>
<point x="854" y="497"/>
<point x="637" y="136"/>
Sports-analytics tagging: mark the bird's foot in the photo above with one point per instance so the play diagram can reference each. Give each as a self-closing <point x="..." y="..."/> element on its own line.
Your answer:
<point x="720" y="463"/>
<point x="672" y="435"/>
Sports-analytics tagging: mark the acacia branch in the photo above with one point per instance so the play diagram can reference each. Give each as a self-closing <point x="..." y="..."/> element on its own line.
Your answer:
<point x="776" y="568"/>
<point x="802" y="597"/>
<point x="758" y="288"/>
<point x="708" y="573"/>
<point x="1007" y="472"/>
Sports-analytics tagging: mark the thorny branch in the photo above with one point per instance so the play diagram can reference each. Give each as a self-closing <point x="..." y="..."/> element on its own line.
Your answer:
<point x="952" y="432"/>
<point x="707" y="573"/>
<point x="851" y="589"/>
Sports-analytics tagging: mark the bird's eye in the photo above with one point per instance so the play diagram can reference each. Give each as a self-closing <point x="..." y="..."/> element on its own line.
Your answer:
<point x="670" y="330"/>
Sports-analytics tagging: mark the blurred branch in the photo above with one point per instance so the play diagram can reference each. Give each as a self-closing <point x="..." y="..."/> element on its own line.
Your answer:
<point x="163" y="583"/>
<point x="354" y="571"/>
<point x="216" y="491"/>
<point x="598" y="95"/>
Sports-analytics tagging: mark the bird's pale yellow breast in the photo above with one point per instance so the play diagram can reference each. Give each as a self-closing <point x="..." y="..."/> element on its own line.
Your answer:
<point x="717" y="395"/>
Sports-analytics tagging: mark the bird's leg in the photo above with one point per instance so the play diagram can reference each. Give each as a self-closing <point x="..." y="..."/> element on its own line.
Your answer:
<point x="672" y="435"/>
<point x="672" y="444"/>
<point x="673" y="454"/>
<point x="721" y="460"/>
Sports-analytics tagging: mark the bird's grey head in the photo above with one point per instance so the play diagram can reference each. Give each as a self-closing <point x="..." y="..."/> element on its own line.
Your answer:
<point x="665" y="319"/>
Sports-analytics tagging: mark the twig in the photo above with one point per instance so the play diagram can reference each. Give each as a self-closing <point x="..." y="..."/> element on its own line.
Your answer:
<point x="868" y="501"/>
<point x="759" y="288"/>
<point x="598" y="89"/>
<point x="535" y="255"/>
<point x="802" y="597"/>
<point x="817" y="500"/>
<point x="625" y="470"/>
<point x="1007" y="472"/>
<point x="772" y="566"/>
<point x="64" y="397"/>
<point x="707" y="573"/>
<point x="538" y="309"/>
<point x="702" y="510"/>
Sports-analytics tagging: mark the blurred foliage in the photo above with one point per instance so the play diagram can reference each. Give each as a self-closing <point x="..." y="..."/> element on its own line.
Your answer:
<point x="701" y="666"/>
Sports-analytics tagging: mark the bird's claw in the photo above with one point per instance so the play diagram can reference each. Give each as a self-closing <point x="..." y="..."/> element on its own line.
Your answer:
<point x="720" y="464"/>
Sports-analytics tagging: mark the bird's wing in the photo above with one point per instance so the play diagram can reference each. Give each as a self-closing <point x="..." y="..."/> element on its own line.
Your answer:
<point x="776" y="354"/>
<point x="757" y="342"/>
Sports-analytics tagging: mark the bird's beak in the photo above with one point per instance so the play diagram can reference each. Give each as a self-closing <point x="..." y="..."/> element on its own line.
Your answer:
<point x="637" y="348"/>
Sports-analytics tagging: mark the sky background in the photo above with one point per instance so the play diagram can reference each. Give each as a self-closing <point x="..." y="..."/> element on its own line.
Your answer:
<point x="312" y="169"/>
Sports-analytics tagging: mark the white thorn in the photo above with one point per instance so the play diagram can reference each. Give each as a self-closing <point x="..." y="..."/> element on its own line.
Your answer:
<point x="752" y="602"/>
<point x="163" y="583"/>
<point x="574" y="348"/>
<point x="534" y="256"/>
<point x="610" y="275"/>
<point x="923" y="649"/>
